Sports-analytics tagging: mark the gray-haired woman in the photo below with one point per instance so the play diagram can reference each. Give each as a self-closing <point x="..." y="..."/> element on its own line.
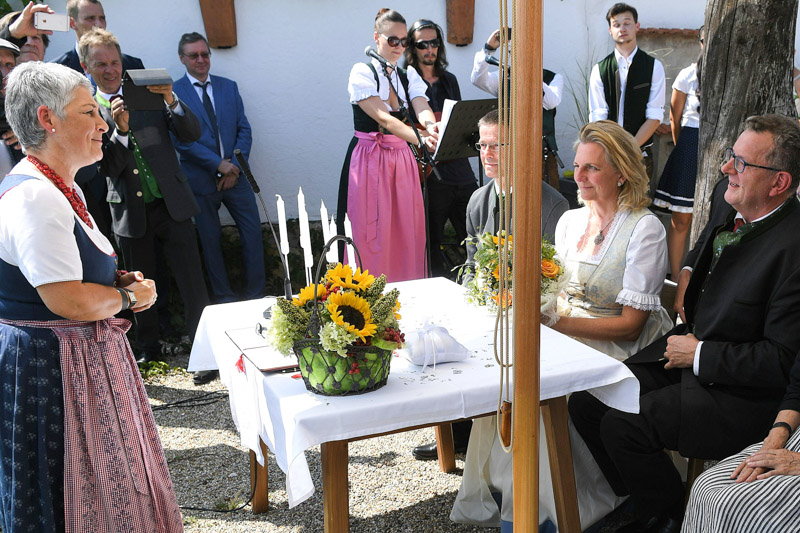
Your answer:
<point x="79" y="449"/>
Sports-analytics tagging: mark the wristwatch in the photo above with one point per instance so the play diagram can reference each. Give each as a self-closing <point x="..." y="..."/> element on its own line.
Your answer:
<point x="129" y="300"/>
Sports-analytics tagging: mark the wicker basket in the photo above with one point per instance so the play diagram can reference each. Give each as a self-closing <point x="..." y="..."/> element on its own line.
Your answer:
<point x="366" y="368"/>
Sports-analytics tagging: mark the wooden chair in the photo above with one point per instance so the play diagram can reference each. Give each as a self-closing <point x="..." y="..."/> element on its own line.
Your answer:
<point x="696" y="467"/>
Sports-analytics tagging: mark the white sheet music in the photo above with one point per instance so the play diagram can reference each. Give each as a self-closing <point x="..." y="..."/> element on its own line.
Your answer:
<point x="447" y="108"/>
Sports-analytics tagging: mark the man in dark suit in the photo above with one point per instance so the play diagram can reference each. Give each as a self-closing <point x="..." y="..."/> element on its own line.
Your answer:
<point x="212" y="171"/>
<point x="83" y="16"/>
<point x="483" y="216"/>
<point x="711" y="386"/>
<point x="718" y="214"/>
<point x="151" y="202"/>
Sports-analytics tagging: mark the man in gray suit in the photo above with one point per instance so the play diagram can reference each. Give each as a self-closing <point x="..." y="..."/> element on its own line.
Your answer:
<point x="151" y="202"/>
<point x="482" y="216"/>
<point x="483" y="208"/>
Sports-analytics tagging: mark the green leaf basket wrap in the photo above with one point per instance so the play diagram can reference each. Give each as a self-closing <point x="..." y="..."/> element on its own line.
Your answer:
<point x="366" y="368"/>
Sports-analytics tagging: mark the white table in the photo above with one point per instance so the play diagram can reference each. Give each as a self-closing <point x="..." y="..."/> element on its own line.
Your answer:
<point x="276" y="409"/>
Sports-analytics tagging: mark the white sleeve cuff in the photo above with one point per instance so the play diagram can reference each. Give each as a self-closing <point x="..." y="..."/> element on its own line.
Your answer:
<point x="122" y="139"/>
<point x="696" y="363"/>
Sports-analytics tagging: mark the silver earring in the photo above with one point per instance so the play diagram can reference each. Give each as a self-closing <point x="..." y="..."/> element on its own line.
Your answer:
<point x="619" y="183"/>
<point x="53" y="130"/>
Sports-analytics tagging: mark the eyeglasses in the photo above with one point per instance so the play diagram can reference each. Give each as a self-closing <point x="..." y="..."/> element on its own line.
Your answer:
<point x="740" y="164"/>
<point x="488" y="147"/>
<point x="194" y="57"/>
<point x="394" y="42"/>
<point x="424" y="45"/>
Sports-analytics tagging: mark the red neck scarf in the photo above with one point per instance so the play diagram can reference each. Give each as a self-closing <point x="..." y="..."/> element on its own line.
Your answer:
<point x="75" y="201"/>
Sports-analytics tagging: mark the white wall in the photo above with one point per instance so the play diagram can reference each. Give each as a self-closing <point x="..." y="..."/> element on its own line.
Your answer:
<point x="293" y="59"/>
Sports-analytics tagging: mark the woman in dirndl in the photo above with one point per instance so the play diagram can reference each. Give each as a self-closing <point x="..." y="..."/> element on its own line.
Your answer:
<point x="380" y="184"/>
<point x="79" y="450"/>
<point x="675" y="190"/>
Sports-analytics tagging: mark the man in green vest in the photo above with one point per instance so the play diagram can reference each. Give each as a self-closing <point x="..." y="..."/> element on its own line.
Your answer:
<point x="552" y="89"/>
<point x="627" y="86"/>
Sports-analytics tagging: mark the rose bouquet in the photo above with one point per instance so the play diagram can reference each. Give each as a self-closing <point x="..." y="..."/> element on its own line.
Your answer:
<point x="484" y="288"/>
<point x="345" y="337"/>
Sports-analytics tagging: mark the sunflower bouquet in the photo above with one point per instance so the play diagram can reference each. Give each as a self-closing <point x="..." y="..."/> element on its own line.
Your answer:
<point x="343" y="337"/>
<point x="484" y="288"/>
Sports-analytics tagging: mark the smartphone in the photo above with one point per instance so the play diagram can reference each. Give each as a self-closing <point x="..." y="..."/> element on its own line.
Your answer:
<point x="50" y="21"/>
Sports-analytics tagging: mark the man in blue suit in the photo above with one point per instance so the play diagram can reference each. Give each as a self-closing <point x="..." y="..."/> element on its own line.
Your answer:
<point x="213" y="176"/>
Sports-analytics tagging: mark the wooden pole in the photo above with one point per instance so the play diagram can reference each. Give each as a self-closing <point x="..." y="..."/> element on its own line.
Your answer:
<point x="527" y="197"/>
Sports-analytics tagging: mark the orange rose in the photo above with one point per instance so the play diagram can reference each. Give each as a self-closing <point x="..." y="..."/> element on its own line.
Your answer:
<point x="550" y="269"/>
<point x="506" y="302"/>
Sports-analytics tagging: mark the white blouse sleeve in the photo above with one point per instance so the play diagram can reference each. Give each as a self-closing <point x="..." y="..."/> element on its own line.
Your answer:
<point x="681" y="82"/>
<point x="36" y="234"/>
<point x="560" y="239"/>
<point x="645" y="265"/>
<point x="361" y="84"/>
<point x="416" y="85"/>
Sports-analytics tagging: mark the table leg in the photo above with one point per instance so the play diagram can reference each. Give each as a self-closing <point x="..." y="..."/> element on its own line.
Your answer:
<point x="335" y="494"/>
<point x="444" y="447"/>
<point x="259" y="478"/>
<point x="554" y="416"/>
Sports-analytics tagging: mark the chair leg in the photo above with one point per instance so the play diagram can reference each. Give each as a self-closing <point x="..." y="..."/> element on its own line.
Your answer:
<point x="696" y="467"/>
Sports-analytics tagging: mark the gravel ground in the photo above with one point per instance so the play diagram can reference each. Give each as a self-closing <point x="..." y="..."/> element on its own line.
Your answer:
<point x="390" y="491"/>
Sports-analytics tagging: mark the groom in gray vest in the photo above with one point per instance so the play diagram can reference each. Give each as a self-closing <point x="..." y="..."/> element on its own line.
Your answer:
<point x="627" y="86"/>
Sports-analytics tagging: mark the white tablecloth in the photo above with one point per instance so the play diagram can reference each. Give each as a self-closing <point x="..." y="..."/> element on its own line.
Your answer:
<point x="289" y="419"/>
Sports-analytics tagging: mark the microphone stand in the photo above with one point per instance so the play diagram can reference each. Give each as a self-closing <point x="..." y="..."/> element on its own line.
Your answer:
<point x="422" y="156"/>
<point x="287" y="285"/>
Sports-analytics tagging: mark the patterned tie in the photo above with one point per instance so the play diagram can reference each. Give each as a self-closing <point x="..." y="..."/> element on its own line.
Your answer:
<point x="210" y="111"/>
<point x="738" y="223"/>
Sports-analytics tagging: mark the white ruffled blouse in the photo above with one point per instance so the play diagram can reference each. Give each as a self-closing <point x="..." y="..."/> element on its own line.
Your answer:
<point x="645" y="258"/>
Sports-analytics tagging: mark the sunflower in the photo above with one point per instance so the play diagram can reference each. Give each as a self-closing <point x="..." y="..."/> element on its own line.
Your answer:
<point x="352" y="313"/>
<point x="396" y="310"/>
<point x="307" y="294"/>
<point x="342" y="276"/>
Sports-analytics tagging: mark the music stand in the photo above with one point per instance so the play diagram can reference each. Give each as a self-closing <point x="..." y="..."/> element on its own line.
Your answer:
<point x="458" y="130"/>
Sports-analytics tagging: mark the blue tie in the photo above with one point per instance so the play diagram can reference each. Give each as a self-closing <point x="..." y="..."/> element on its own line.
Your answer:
<point x="210" y="112"/>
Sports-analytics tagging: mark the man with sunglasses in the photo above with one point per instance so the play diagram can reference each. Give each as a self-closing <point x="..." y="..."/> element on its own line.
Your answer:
<point x="214" y="175"/>
<point x="712" y="386"/>
<point x="552" y="89"/>
<point x="448" y="198"/>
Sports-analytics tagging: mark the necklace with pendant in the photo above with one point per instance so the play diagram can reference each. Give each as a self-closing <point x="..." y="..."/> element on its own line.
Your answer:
<point x="599" y="238"/>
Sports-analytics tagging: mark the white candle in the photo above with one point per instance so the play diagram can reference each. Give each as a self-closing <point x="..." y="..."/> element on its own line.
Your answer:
<point x="333" y="253"/>
<point x="303" y="215"/>
<point x="323" y="218"/>
<point x="348" y="232"/>
<point x="282" y="226"/>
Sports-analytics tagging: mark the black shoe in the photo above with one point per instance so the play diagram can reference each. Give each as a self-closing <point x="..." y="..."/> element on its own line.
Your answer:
<point x="430" y="451"/>
<point x="654" y="524"/>
<point x="426" y="452"/>
<point x="204" y="376"/>
<point x="149" y="357"/>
